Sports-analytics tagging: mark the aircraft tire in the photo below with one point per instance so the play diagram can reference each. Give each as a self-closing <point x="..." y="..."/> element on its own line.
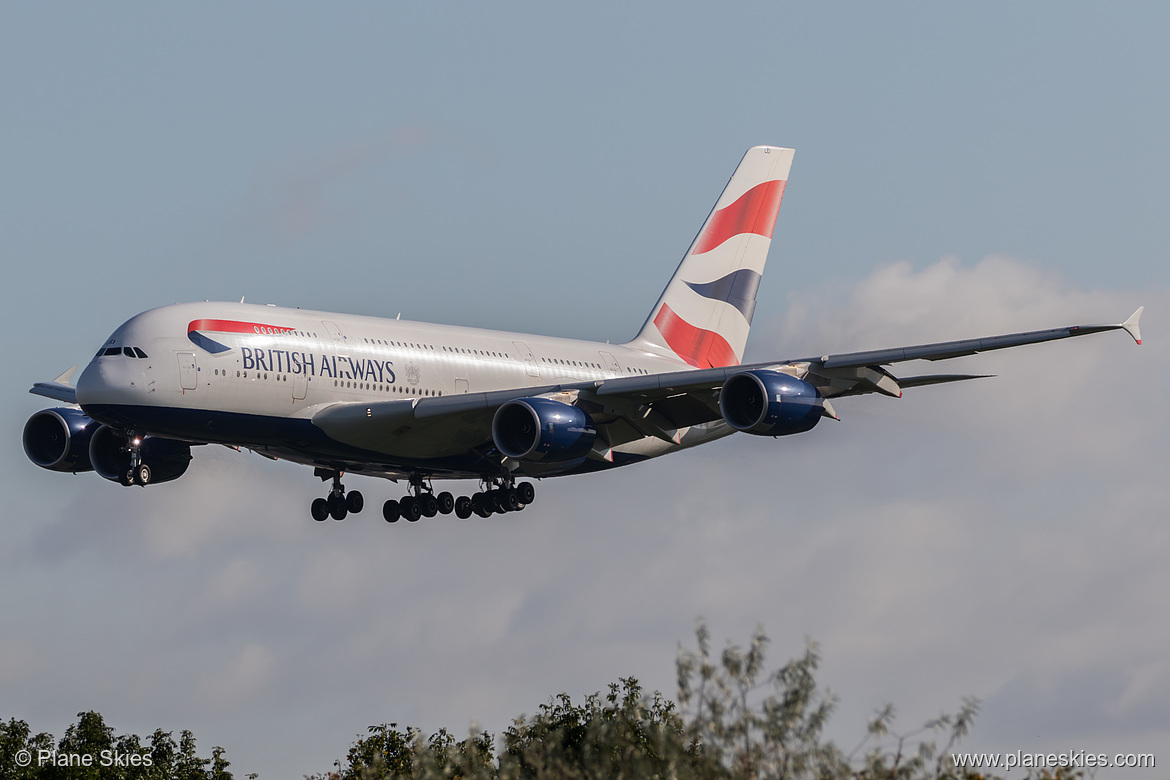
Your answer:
<point x="429" y="505"/>
<point x="320" y="509"/>
<point x="481" y="505"/>
<point x="410" y="509"/>
<point x="142" y="475"/>
<point x="446" y="503"/>
<point x="526" y="492"/>
<point x="390" y="511"/>
<point x="354" y="501"/>
<point x="463" y="507"/>
<point x="337" y="508"/>
<point x="510" y="501"/>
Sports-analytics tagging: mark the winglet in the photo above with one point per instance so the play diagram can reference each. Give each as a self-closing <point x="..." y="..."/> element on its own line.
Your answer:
<point x="1131" y="325"/>
<point x="64" y="378"/>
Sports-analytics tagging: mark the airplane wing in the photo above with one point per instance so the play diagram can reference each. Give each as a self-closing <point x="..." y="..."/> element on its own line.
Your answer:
<point x="852" y="373"/>
<point x="60" y="389"/>
<point x="660" y="405"/>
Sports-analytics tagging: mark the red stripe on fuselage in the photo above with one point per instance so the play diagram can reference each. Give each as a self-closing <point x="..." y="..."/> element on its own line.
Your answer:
<point x="235" y="326"/>
<point x="753" y="212"/>
<point x="701" y="348"/>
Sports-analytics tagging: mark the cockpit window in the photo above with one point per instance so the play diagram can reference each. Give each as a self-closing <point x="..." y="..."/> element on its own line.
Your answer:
<point x="139" y="352"/>
<point x="113" y="351"/>
<point x="127" y="352"/>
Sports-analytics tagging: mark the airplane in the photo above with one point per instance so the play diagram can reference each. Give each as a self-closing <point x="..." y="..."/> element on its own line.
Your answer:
<point x="419" y="402"/>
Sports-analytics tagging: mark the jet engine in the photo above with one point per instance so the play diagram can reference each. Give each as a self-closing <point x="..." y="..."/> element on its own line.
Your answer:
<point x="541" y="429"/>
<point x="165" y="459"/>
<point x="769" y="403"/>
<point x="58" y="439"/>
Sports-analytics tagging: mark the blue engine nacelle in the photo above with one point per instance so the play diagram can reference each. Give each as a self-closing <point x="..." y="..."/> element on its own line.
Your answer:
<point x="58" y="439"/>
<point x="769" y="403"/>
<point x="168" y="459"/>
<point x="541" y="429"/>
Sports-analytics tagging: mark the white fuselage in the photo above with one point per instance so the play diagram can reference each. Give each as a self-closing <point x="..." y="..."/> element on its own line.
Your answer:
<point x="244" y="367"/>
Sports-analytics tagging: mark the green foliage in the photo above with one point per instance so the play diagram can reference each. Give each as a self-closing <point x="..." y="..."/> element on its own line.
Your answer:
<point x="733" y="720"/>
<point x="111" y="757"/>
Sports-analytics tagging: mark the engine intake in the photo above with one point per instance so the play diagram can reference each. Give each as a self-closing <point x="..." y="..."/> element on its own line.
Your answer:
<point x="769" y="403"/>
<point x="541" y="429"/>
<point x="168" y="459"/>
<point x="58" y="439"/>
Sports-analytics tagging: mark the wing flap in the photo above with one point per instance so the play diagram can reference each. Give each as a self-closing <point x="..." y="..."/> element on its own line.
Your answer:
<point x="938" y="379"/>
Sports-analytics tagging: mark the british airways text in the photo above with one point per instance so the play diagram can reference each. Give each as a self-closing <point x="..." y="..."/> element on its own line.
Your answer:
<point x="290" y="362"/>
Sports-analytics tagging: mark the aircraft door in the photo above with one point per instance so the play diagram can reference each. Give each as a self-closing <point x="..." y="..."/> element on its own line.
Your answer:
<point x="460" y="386"/>
<point x="188" y="371"/>
<point x="300" y="385"/>
<point x="529" y="362"/>
<point x="338" y="338"/>
<point x="611" y="364"/>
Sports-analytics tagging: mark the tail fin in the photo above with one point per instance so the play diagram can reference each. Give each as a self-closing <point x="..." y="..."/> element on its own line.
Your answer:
<point x="705" y="312"/>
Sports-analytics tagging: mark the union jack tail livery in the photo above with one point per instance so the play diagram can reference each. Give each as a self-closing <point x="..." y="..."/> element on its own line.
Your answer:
<point x="705" y="312"/>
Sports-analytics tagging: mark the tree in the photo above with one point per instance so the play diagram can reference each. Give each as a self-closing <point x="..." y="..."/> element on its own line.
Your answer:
<point x="733" y="721"/>
<point x="91" y="737"/>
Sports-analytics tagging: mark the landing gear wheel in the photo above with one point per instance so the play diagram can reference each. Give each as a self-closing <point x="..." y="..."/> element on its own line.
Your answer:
<point x="390" y="511"/>
<point x="446" y="503"/>
<point x="496" y="501"/>
<point x="510" y="501"/>
<point x="463" y="507"/>
<point x="142" y="475"/>
<point x="526" y="492"/>
<point x="320" y="509"/>
<point x="126" y="479"/>
<point x="337" y="507"/>
<point x="481" y="505"/>
<point x="354" y="501"/>
<point x="410" y="509"/>
<point x="428" y="504"/>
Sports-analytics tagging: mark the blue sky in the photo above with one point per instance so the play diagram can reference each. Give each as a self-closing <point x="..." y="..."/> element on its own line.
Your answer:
<point x="960" y="170"/>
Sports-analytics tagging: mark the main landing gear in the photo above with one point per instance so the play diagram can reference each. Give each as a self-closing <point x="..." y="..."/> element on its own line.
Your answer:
<point x="420" y="502"/>
<point x="338" y="504"/>
<point x="499" y="496"/>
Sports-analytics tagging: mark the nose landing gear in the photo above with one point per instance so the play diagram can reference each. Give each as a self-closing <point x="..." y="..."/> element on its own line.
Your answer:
<point x="139" y="473"/>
